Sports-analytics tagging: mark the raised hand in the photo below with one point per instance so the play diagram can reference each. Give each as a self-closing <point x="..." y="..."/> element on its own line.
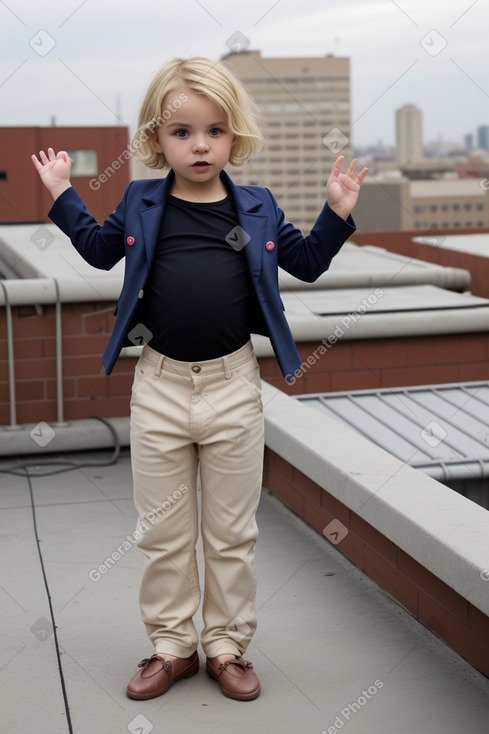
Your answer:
<point x="54" y="170"/>
<point x="343" y="188"/>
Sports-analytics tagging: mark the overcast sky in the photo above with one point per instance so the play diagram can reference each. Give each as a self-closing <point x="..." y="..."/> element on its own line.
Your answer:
<point x="89" y="62"/>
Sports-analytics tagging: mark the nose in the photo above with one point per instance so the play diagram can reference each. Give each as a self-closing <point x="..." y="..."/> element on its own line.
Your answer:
<point x="201" y="144"/>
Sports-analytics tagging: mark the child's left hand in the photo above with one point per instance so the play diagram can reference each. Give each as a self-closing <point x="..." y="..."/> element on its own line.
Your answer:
<point x="342" y="188"/>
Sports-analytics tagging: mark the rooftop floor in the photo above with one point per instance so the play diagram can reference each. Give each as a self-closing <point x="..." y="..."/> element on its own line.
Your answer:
<point x="331" y="648"/>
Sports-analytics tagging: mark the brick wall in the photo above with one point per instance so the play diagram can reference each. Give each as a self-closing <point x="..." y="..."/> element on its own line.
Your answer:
<point x="402" y="244"/>
<point x="389" y="362"/>
<point x="23" y="196"/>
<point x="431" y="601"/>
<point x="87" y="391"/>
<point x="348" y="365"/>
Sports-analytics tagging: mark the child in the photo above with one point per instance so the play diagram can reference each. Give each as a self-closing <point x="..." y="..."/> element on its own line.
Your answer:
<point x="201" y="275"/>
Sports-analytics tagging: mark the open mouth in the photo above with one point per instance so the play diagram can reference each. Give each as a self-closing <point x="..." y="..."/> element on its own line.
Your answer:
<point x="200" y="164"/>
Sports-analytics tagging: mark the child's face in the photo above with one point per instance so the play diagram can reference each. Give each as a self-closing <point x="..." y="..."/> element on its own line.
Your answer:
<point x="195" y="140"/>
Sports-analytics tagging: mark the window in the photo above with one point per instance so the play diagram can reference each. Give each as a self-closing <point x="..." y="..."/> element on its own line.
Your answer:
<point x="84" y="163"/>
<point x="3" y="175"/>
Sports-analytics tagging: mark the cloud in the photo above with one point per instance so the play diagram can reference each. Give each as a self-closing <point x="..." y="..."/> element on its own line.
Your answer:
<point x="106" y="53"/>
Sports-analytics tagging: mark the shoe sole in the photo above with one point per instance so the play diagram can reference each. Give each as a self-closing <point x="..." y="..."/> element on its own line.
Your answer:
<point x="235" y="696"/>
<point x="188" y="672"/>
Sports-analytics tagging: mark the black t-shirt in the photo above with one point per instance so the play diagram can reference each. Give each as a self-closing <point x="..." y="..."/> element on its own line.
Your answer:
<point x="199" y="297"/>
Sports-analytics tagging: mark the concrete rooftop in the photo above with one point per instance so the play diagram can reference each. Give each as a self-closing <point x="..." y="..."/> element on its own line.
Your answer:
<point x="332" y="650"/>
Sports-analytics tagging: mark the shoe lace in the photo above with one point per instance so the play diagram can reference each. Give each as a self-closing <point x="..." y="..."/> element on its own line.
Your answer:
<point x="243" y="664"/>
<point x="166" y="663"/>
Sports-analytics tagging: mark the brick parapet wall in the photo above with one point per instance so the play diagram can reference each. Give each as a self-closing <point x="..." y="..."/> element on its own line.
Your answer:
<point x="462" y="625"/>
<point x="86" y="327"/>
<point x="402" y="244"/>
<point x="388" y="362"/>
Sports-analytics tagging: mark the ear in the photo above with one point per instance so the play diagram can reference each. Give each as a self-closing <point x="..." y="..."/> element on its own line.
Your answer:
<point x="155" y="143"/>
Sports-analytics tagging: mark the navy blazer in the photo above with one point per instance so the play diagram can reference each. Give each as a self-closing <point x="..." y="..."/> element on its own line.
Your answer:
<point x="133" y="229"/>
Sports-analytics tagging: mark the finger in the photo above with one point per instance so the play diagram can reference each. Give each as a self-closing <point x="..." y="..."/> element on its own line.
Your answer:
<point x="335" y="171"/>
<point x="43" y="157"/>
<point x="36" y="162"/>
<point x="51" y="154"/>
<point x="337" y="166"/>
<point x="361" y="176"/>
<point x="351" y="167"/>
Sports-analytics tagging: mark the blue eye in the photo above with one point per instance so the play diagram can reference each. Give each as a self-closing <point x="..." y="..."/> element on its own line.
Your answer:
<point x="215" y="131"/>
<point x="181" y="133"/>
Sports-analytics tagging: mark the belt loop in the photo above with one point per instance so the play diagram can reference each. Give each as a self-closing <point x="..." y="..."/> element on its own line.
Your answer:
<point x="159" y="365"/>
<point x="227" y="371"/>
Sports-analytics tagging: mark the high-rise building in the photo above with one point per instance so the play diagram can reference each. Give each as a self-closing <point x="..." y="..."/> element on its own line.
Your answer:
<point x="483" y="137"/>
<point x="409" y="137"/>
<point x="305" y="109"/>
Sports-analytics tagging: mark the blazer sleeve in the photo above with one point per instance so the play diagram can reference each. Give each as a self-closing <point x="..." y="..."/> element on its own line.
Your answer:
<point x="100" y="245"/>
<point x="308" y="257"/>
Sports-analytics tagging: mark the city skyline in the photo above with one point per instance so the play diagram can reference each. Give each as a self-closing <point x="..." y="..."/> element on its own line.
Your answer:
<point x="79" y="63"/>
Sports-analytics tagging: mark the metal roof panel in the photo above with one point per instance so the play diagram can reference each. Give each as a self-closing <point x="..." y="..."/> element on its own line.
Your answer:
<point x="440" y="429"/>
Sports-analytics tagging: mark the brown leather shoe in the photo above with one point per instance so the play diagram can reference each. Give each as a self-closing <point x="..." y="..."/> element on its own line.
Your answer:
<point x="236" y="678"/>
<point x="157" y="675"/>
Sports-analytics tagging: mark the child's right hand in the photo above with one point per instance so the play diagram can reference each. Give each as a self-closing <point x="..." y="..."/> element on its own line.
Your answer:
<point x="54" y="170"/>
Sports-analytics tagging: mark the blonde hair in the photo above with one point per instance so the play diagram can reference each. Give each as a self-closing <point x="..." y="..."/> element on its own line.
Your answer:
<point x="216" y="81"/>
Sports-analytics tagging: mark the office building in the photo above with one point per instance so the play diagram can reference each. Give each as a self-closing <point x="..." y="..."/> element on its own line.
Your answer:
<point x="483" y="137"/>
<point x="409" y="138"/>
<point x="397" y="203"/>
<point x="305" y="109"/>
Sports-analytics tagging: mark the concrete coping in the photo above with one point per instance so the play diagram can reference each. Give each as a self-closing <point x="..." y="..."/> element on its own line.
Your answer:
<point x="445" y="532"/>
<point x="34" y="255"/>
<point x="368" y="265"/>
<point x="42" y="251"/>
<point x="475" y="243"/>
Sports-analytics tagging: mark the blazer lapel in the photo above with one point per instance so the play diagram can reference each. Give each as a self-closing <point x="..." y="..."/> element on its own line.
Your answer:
<point x="252" y="220"/>
<point x="151" y="215"/>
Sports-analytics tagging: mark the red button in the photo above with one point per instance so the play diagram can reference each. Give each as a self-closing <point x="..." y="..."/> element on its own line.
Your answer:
<point x="130" y="241"/>
<point x="270" y="245"/>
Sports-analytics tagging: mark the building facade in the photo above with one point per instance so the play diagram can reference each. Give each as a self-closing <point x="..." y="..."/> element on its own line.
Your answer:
<point x="100" y="171"/>
<point x="305" y="110"/>
<point x="409" y="135"/>
<point x="483" y="137"/>
<point x="402" y="204"/>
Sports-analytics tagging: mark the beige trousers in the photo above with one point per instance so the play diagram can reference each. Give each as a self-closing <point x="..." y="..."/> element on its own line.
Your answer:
<point x="185" y="415"/>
